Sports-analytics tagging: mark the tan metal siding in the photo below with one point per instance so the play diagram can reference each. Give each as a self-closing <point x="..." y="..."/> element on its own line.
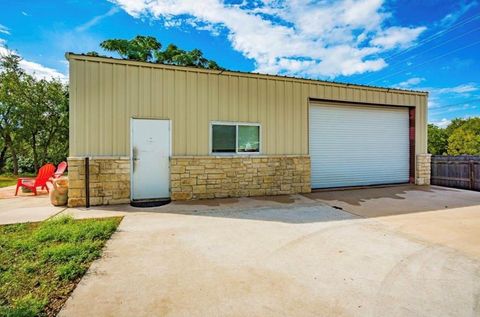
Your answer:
<point x="106" y="93"/>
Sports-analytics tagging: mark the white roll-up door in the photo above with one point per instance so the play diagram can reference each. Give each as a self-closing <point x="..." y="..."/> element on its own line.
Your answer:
<point x="358" y="145"/>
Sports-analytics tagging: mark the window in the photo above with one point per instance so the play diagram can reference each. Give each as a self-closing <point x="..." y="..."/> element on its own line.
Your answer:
<point x="237" y="138"/>
<point x="248" y="138"/>
<point x="224" y="138"/>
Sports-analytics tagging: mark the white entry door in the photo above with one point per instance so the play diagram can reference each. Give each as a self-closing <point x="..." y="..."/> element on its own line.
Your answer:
<point x="358" y="145"/>
<point x="150" y="159"/>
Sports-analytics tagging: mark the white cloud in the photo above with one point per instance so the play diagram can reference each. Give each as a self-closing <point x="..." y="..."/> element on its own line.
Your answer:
<point x="443" y="123"/>
<point x="397" y="37"/>
<point x="304" y="38"/>
<point x="25" y="13"/>
<point x="452" y="101"/>
<point x="460" y="89"/>
<point x="449" y="99"/>
<point x="35" y="69"/>
<point x="432" y="102"/>
<point x="453" y="108"/>
<point x="452" y="17"/>
<point x="41" y="72"/>
<point x="95" y="20"/>
<point x="410" y="82"/>
<point x="438" y="97"/>
<point x="4" y="29"/>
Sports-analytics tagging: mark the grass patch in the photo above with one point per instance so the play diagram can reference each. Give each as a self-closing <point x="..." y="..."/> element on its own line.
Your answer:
<point x="7" y="180"/>
<point x="10" y="180"/>
<point x="40" y="263"/>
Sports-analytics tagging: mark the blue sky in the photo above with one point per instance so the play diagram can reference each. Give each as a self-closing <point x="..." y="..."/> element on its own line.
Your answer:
<point x="431" y="45"/>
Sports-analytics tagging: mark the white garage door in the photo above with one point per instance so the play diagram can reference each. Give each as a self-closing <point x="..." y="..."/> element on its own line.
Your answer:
<point x="358" y="145"/>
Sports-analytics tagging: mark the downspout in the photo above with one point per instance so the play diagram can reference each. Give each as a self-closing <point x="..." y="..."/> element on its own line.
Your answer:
<point x="87" y="182"/>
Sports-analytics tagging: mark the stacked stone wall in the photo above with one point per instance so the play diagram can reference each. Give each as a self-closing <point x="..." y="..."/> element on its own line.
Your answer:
<point x="201" y="177"/>
<point x="109" y="181"/>
<point x="423" y="169"/>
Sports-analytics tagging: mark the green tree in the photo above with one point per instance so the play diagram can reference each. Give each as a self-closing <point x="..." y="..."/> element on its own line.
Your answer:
<point x="148" y="49"/>
<point x="11" y="86"/>
<point x="44" y="118"/>
<point x="3" y="154"/>
<point x="175" y="56"/>
<point x="437" y="140"/>
<point x="92" y="53"/>
<point x="456" y="123"/>
<point x="140" y="48"/>
<point x="464" y="138"/>
<point x="33" y="118"/>
<point x="167" y="56"/>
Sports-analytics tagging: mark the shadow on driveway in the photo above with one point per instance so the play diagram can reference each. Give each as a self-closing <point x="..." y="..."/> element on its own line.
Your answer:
<point x="314" y="207"/>
<point x="288" y="209"/>
<point x="292" y="215"/>
<point x="395" y="200"/>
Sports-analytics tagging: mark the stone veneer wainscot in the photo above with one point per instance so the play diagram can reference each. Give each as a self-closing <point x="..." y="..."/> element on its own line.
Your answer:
<point x="200" y="177"/>
<point x="423" y="169"/>
<point x="109" y="181"/>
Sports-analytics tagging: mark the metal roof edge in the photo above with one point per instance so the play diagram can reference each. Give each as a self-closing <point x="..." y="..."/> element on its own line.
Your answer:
<point x="70" y="55"/>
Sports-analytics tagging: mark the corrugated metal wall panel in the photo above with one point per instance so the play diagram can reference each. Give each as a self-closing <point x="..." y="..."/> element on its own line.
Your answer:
<point x="106" y="93"/>
<point x="358" y="145"/>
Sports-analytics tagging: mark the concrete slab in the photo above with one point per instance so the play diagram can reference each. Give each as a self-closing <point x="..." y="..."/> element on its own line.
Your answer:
<point x="213" y="207"/>
<point x="301" y="260"/>
<point x="25" y="207"/>
<point x="395" y="200"/>
<point x="218" y="204"/>
<point x="457" y="228"/>
<point x="439" y="215"/>
<point x="398" y="251"/>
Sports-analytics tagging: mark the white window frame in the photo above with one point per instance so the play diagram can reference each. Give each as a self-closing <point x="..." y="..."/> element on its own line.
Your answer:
<point x="236" y="124"/>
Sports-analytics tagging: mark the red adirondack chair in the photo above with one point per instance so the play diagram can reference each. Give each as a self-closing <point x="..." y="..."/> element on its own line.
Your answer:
<point x="60" y="170"/>
<point x="44" y="174"/>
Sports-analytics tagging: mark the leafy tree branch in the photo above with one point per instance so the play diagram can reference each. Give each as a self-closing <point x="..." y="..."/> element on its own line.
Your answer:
<point x="149" y="49"/>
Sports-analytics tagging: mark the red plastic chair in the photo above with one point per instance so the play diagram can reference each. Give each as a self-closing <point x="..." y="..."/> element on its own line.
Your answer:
<point x="44" y="174"/>
<point x="60" y="170"/>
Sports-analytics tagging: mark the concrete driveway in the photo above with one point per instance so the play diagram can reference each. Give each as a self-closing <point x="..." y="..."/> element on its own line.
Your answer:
<point x="290" y="256"/>
<point x="26" y="207"/>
